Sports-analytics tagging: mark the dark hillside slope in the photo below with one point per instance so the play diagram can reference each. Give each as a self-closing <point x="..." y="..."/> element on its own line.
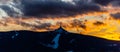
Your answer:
<point x="54" y="41"/>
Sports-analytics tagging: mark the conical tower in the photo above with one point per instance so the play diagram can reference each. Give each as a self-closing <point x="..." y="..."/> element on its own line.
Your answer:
<point x="60" y="30"/>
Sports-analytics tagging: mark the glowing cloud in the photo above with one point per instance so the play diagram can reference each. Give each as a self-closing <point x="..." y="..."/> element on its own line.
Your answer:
<point x="90" y="17"/>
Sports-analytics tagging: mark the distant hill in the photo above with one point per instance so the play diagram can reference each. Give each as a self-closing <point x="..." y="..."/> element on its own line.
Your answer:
<point x="54" y="41"/>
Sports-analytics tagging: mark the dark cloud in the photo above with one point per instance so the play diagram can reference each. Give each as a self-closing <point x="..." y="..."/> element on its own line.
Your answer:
<point x="57" y="7"/>
<point x="78" y="23"/>
<point x="116" y="16"/>
<point x="44" y="25"/>
<point x="41" y="26"/>
<point x="98" y="23"/>
<point x="116" y="3"/>
<point x="103" y="2"/>
<point x="44" y="8"/>
<point x="106" y="2"/>
<point x="9" y="10"/>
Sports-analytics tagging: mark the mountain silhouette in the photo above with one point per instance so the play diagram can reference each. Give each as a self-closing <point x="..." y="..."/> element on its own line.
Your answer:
<point x="58" y="40"/>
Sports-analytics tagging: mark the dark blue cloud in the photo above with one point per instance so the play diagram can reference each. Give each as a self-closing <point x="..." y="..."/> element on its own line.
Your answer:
<point x="44" y="8"/>
<point x="106" y="2"/>
<point x="60" y="8"/>
<point x="103" y="2"/>
<point x="57" y="8"/>
<point x="116" y="16"/>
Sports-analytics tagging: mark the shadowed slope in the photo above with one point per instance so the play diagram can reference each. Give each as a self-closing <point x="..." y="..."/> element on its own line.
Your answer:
<point x="54" y="41"/>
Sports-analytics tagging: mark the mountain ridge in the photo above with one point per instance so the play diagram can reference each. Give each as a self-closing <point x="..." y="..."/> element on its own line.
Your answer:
<point x="54" y="41"/>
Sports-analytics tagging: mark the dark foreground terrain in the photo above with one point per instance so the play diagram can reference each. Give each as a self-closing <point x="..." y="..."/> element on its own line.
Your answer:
<point x="54" y="41"/>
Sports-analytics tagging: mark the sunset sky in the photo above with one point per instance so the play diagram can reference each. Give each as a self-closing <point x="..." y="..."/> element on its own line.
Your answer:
<point x="100" y="18"/>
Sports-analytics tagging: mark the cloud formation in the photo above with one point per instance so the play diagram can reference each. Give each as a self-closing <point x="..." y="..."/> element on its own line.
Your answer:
<point x="103" y="2"/>
<point x="10" y="8"/>
<point x="116" y="16"/>
<point x="58" y="7"/>
<point x="52" y="8"/>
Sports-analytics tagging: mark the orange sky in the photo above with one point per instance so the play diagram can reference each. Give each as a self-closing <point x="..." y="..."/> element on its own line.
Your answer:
<point x="99" y="24"/>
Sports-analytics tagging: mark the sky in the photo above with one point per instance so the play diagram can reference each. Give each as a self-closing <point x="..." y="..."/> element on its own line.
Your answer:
<point x="64" y="7"/>
<point x="100" y="18"/>
<point x="53" y="8"/>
